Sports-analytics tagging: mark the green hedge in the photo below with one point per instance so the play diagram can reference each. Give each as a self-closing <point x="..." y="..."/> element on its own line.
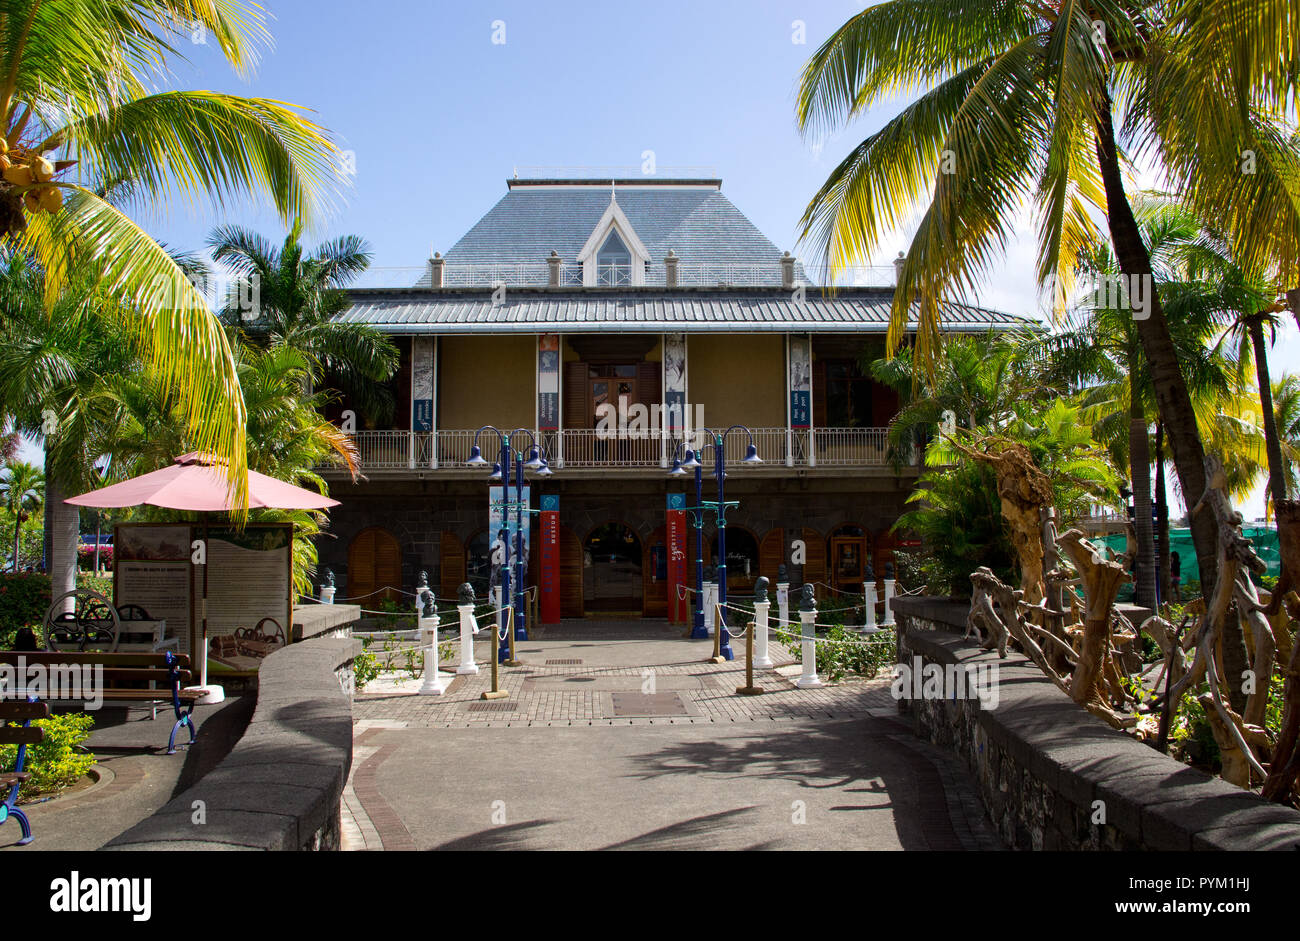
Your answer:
<point x="24" y="599"/>
<point x="59" y="761"/>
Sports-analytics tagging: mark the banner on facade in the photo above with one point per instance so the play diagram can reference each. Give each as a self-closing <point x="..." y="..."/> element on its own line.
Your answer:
<point x="502" y="525"/>
<point x="800" y="382"/>
<point x="679" y="605"/>
<point x="550" y="575"/>
<point x="422" y="383"/>
<point x="548" y="382"/>
<point x="674" y="381"/>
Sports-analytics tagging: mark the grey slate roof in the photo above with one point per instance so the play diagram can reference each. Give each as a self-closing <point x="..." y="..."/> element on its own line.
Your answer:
<point x="697" y="222"/>
<point x="647" y="310"/>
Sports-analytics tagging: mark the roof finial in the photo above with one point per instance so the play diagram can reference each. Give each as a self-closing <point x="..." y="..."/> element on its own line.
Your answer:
<point x="613" y="196"/>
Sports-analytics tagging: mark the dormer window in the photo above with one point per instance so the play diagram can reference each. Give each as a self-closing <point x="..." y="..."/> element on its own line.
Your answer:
<point x="613" y="255"/>
<point x="613" y="262"/>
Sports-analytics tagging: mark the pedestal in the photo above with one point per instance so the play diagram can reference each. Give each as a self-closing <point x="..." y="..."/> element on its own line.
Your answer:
<point x="710" y="601"/>
<point x="782" y="605"/>
<point x="809" y="679"/>
<point x="327" y="594"/>
<point x="869" y="600"/>
<point x="435" y="684"/>
<point x="889" y="609"/>
<point x="761" y="656"/>
<point x="467" y="631"/>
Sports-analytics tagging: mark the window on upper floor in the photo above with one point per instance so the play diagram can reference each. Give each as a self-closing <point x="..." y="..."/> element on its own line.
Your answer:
<point x="848" y="395"/>
<point x="614" y="262"/>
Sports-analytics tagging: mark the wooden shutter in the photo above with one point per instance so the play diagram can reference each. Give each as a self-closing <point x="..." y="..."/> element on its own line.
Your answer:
<point x="771" y="555"/>
<point x="374" y="564"/>
<point x="577" y="411"/>
<point x="648" y="382"/>
<point x="570" y="574"/>
<point x="884" y="404"/>
<point x="819" y="393"/>
<point x="814" y="567"/>
<point x="453" y="565"/>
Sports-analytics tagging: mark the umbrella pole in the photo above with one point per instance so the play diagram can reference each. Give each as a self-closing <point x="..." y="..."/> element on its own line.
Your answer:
<point x="212" y="694"/>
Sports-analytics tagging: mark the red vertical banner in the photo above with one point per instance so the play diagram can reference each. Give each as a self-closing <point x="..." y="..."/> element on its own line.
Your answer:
<point x="550" y="576"/>
<point x="679" y="605"/>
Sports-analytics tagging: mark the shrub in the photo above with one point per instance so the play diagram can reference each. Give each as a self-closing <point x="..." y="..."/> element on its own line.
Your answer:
<point x="86" y="557"/>
<point x="366" y="666"/>
<point x="24" y="600"/>
<point x="57" y="762"/>
<point x="841" y="652"/>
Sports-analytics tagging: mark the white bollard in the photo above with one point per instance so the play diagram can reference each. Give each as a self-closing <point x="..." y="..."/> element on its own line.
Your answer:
<point x="327" y="594"/>
<point x="467" y="631"/>
<point x="782" y="605"/>
<point x="435" y="684"/>
<point x="761" y="657"/>
<point x="869" y="605"/>
<point x="710" y="602"/>
<point x="889" y="610"/>
<point x="809" y="679"/>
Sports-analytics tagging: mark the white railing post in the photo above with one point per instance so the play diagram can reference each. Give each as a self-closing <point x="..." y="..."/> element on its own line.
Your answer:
<point x="467" y="631"/>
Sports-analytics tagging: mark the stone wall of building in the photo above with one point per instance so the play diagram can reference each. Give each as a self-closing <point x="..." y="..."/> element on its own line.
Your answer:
<point x="1053" y="777"/>
<point x="417" y="512"/>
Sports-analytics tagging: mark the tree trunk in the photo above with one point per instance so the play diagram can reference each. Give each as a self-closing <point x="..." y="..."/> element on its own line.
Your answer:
<point x="1139" y="452"/>
<point x="1173" y="400"/>
<point x="62" y="548"/>
<point x="1276" y="470"/>
<point x="1163" y="560"/>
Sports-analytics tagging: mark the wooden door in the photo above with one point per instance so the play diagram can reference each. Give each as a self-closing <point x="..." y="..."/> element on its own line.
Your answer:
<point x="814" y="567"/>
<point x="570" y="574"/>
<point x="374" y="567"/>
<point x="452" y="554"/>
<point x="771" y="555"/>
<point x="847" y="562"/>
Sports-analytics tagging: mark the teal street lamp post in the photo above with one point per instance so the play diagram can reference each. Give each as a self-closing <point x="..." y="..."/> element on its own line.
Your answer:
<point x="720" y="509"/>
<point x="509" y="470"/>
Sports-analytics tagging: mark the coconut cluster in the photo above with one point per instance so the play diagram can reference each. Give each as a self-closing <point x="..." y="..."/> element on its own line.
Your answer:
<point x="28" y="173"/>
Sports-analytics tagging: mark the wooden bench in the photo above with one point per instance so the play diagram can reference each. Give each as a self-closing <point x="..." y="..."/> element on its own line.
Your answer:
<point x="22" y="736"/>
<point x="130" y="678"/>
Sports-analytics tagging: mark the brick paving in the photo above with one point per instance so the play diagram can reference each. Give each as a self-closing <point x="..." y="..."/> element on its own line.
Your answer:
<point x="419" y="758"/>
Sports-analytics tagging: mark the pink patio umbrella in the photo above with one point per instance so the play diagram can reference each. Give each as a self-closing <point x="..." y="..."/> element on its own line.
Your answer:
<point x="197" y="483"/>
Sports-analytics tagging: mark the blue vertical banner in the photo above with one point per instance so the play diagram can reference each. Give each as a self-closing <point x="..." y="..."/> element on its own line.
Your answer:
<point x="422" y="383"/>
<point x="800" y="381"/>
<point x="548" y="382"/>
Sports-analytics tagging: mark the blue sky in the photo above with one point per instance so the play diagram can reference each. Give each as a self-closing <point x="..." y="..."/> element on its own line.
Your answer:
<point x="437" y="114"/>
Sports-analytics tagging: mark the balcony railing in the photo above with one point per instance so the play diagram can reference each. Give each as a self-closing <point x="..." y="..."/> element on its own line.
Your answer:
<point x="587" y="448"/>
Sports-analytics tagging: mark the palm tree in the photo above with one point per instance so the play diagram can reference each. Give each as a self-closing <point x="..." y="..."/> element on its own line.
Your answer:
<point x="1018" y="103"/>
<point x="1286" y="411"/>
<point x="1100" y="349"/>
<point x="22" y="488"/>
<point x="79" y="109"/>
<point x="60" y="355"/>
<point x="299" y="295"/>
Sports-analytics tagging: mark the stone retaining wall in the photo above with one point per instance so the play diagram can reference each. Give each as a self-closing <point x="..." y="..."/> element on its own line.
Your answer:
<point x="1053" y="777"/>
<point x="280" y="786"/>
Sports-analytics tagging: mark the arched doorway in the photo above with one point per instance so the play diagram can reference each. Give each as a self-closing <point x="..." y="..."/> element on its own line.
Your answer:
<point x="611" y="571"/>
<point x="374" y="566"/>
<point x="850" y="551"/>
<point x="742" y="559"/>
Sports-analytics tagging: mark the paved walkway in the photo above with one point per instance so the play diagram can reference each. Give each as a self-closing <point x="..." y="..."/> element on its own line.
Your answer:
<point x="620" y="736"/>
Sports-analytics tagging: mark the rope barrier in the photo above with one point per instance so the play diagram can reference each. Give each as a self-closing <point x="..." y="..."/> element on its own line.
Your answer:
<point x="799" y="624"/>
